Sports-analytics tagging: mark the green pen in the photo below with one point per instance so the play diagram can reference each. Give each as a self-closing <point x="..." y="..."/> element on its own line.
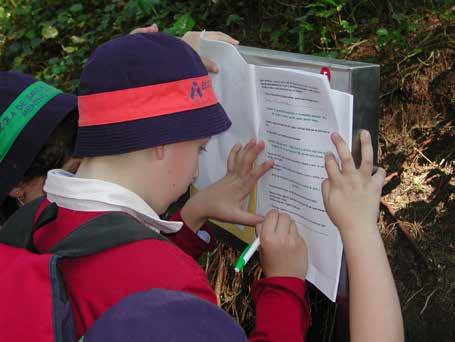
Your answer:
<point x="246" y="255"/>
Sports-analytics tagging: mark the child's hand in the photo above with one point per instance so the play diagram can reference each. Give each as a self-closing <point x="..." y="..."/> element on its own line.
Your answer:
<point x="283" y="250"/>
<point x="223" y="200"/>
<point x="193" y="38"/>
<point x="351" y="196"/>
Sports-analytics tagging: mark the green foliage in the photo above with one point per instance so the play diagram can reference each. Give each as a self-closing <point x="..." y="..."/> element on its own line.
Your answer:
<point x="324" y="19"/>
<point x="182" y="24"/>
<point x="52" y="39"/>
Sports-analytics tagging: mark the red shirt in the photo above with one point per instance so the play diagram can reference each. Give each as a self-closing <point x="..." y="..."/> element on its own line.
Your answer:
<point x="94" y="283"/>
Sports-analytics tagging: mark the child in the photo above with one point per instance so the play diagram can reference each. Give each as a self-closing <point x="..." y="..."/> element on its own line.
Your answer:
<point x="46" y="142"/>
<point x="37" y="131"/>
<point x="38" y="126"/>
<point x="141" y="128"/>
<point x="166" y="315"/>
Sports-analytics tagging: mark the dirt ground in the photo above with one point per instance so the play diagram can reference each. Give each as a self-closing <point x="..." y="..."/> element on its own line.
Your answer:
<point x="417" y="148"/>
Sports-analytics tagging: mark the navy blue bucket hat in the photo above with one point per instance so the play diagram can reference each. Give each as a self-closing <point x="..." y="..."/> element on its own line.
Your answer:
<point x="144" y="90"/>
<point x="30" y="110"/>
<point x="162" y="315"/>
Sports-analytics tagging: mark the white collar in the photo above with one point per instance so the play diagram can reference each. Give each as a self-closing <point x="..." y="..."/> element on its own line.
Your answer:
<point x="83" y="194"/>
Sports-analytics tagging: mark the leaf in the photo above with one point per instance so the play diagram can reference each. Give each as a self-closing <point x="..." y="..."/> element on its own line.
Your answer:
<point x="382" y="37"/>
<point x="77" y="40"/>
<point x="347" y="26"/>
<point x="326" y="13"/>
<point x="146" y="6"/>
<point x="18" y="64"/>
<point x="275" y="36"/>
<point x="69" y="49"/>
<point x="183" y="24"/>
<point x="76" y="8"/>
<point x="49" y="32"/>
<point x="57" y="69"/>
<point x="53" y="60"/>
<point x="330" y="2"/>
<point x="2" y="13"/>
<point x="30" y="35"/>
<point x="374" y="21"/>
<point x="306" y="27"/>
<point x="382" y="32"/>
<point x="233" y="19"/>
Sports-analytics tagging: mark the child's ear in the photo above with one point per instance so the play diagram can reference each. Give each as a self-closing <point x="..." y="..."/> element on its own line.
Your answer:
<point x="17" y="192"/>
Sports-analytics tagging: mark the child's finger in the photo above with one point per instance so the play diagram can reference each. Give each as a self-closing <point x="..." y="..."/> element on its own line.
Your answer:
<point x="216" y="35"/>
<point x="293" y="230"/>
<point x="283" y="226"/>
<point x="331" y="166"/>
<point x="246" y="218"/>
<point x="250" y="158"/>
<point x="259" y="171"/>
<point x="366" y="166"/>
<point x="269" y="224"/>
<point x="232" y="158"/>
<point x="347" y="163"/>
<point x="138" y="30"/>
<point x="379" y="177"/>
<point x="325" y="189"/>
<point x="241" y="157"/>
<point x="258" y="229"/>
<point x="148" y="29"/>
<point x="210" y="65"/>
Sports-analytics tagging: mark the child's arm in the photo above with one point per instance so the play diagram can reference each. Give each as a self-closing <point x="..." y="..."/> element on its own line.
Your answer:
<point x="281" y="308"/>
<point x="351" y="198"/>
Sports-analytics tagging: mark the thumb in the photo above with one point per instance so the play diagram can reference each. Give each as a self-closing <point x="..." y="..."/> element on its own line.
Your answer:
<point x="258" y="229"/>
<point x="210" y="65"/>
<point x="325" y="188"/>
<point x="246" y="218"/>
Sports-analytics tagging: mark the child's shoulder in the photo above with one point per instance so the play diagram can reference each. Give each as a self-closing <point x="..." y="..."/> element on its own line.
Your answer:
<point x="147" y="260"/>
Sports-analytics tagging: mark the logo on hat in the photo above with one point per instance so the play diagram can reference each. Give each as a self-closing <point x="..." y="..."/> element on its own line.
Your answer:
<point x="195" y="91"/>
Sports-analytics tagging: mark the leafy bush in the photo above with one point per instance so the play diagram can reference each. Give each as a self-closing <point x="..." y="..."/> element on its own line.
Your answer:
<point x="52" y="39"/>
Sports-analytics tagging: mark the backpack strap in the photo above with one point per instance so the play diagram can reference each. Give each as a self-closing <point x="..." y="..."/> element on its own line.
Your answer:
<point x="19" y="227"/>
<point x="102" y="233"/>
<point x="96" y="235"/>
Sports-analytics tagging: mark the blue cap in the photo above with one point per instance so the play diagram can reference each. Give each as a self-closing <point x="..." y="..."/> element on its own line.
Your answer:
<point x="128" y="64"/>
<point x="161" y="315"/>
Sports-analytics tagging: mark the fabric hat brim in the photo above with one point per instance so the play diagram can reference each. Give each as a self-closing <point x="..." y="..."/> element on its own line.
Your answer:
<point x="163" y="315"/>
<point x="32" y="139"/>
<point x="135" y="135"/>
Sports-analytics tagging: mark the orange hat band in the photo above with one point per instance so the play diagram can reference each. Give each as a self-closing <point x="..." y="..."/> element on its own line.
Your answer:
<point x="145" y="102"/>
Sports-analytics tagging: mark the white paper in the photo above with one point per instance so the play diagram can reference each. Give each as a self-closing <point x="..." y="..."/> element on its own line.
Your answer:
<point x="233" y="86"/>
<point x="294" y="112"/>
